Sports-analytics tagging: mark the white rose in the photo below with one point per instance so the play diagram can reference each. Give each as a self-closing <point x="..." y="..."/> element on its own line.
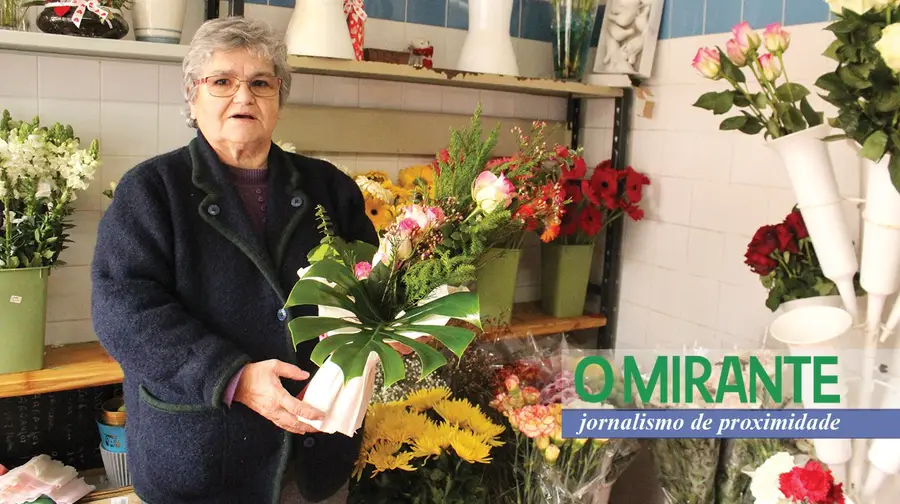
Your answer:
<point x="857" y="6"/>
<point x="889" y="46"/>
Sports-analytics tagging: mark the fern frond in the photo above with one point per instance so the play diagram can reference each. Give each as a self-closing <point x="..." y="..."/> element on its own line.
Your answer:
<point x="324" y="225"/>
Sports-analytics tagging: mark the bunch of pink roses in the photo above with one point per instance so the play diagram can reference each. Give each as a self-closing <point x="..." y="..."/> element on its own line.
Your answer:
<point x="779" y="109"/>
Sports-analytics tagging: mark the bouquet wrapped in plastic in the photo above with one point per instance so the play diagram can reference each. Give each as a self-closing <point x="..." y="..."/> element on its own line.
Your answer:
<point x="548" y="469"/>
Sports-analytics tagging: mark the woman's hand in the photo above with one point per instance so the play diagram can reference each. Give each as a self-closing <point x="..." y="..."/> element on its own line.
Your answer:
<point x="260" y="389"/>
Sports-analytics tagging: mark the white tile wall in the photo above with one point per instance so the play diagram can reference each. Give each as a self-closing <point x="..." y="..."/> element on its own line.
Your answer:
<point x="135" y="110"/>
<point x="684" y="277"/>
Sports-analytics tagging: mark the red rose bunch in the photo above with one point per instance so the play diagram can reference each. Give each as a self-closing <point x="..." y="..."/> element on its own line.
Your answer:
<point x="595" y="202"/>
<point x="783" y="256"/>
<point x="811" y="484"/>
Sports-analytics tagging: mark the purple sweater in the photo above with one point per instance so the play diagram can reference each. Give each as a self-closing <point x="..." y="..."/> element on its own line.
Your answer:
<point x="252" y="185"/>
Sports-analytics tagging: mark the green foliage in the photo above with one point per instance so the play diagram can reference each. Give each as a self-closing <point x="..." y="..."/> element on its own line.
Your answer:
<point x="862" y="87"/>
<point x="466" y="157"/>
<point x="442" y="269"/>
<point x="444" y="479"/>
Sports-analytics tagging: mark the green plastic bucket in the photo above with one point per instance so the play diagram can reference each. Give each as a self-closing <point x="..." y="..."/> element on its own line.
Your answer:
<point x="496" y="285"/>
<point x="23" y="318"/>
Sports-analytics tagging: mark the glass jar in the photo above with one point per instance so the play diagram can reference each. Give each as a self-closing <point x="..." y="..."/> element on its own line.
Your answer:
<point x="572" y="24"/>
<point x="13" y="15"/>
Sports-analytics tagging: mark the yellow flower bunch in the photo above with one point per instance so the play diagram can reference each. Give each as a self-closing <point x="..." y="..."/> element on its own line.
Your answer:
<point x="426" y="423"/>
<point x="385" y="200"/>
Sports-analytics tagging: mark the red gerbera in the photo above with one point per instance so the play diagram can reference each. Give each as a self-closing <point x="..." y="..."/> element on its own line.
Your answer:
<point x="570" y="222"/>
<point x="591" y="220"/>
<point x="634" y="184"/>
<point x="604" y="182"/>
<point x="577" y="171"/>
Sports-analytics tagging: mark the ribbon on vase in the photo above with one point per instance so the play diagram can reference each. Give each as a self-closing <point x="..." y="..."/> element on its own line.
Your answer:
<point x="62" y="7"/>
<point x="356" y="22"/>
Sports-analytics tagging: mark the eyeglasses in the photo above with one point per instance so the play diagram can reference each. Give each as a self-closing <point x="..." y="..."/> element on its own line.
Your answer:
<point x="224" y="86"/>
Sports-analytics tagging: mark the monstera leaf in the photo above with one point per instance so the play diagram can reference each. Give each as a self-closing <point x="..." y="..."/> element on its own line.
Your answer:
<point x="356" y="326"/>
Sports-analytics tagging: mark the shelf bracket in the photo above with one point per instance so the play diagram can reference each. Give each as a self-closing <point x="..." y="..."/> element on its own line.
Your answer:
<point x="573" y="120"/>
<point x="610" y="284"/>
<point x="235" y="8"/>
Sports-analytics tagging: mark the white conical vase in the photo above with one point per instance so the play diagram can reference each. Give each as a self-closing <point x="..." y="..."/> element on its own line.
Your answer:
<point x="812" y="331"/>
<point x="319" y="28"/>
<point x="808" y="166"/>
<point x="488" y="47"/>
<point x="883" y="454"/>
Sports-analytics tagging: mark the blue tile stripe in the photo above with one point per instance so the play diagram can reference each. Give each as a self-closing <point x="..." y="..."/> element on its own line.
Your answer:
<point x="680" y="16"/>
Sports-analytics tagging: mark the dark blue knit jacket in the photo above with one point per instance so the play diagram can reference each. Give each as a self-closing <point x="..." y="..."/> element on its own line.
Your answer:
<point x="185" y="292"/>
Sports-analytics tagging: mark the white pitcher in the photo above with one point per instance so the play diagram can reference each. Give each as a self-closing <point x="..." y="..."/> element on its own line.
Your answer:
<point x="319" y="28"/>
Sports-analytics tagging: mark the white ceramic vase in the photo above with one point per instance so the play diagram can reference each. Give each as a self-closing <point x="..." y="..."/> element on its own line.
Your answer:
<point x="319" y="28"/>
<point x="159" y="21"/>
<point x="808" y="165"/>
<point x="488" y="47"/>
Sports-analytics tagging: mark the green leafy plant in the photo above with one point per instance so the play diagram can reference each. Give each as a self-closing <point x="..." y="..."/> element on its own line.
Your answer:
<point x="364" y="307"/>
<point x="779" y="109"/>
<point x="41" y="170"/>
<point x="864" y="87"/>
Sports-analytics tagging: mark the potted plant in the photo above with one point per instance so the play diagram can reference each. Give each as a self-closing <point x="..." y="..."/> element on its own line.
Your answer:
<point x="591" y="204"/>
<point x="785" y="259"/>
<point x="41" y="171"/>
<point x="792" y="128"/>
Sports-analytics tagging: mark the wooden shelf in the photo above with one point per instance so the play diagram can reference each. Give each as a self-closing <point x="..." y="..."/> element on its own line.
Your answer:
<point x="84" y="365"/>
<point x="529" y="319"/>
<point x="150" y="51"/>
<point x="450" y="78"/>
<point x="68" y="367"/>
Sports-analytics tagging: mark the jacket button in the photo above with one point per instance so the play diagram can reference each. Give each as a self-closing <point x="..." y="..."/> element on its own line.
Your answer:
<point x="296" y="202"/>
<point x="309" y="442"/>
<point x="213" y="210"/>
<point x="282" y="314"/>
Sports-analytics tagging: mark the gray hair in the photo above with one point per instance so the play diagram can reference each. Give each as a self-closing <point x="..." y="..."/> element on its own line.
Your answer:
<point x="228" y="34"/>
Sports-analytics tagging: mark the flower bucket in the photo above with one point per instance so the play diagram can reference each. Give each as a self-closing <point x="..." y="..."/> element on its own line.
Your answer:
<point x="809" y="168"/>
<point x="23" y="318"/>
<point x="495" y="283"/>
<point x="880" y="265"/>
<point x="814" y="331"/>
<point x="787" y="306"/>
<point x="565" y="272"/>
<point x="883" y="454"/>
<point x="488" y="47"/>
<point x="158" y="20"/>
<point x="572" y="24"/>
<point x="319" y="28"/>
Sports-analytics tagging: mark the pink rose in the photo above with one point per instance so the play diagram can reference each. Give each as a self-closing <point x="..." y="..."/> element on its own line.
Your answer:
<point x="771" y="67"/>
<point x="426" y="217"/>
<point x="490" y="191"/>
<point x="362" y="270"/>
<point x="747" y="39"/>
<point x="777" y="40"/>
<point x="735" y="54"/>
<point x="708" y="64"/>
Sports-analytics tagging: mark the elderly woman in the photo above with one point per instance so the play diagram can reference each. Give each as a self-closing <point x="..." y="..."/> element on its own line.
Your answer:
<point x="194" y="260"/>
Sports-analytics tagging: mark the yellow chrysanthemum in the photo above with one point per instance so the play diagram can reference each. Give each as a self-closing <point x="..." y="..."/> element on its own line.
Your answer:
<point x="424" y="399"/>
<point x="380" y="213"/>
<point x="434" y="440"/>
<point x="377" y="176"/>
<point x="385" y="457"/>
<point x="464" y="414"/>
<point x="403" y="427"/>
<point x="471" y="447"/>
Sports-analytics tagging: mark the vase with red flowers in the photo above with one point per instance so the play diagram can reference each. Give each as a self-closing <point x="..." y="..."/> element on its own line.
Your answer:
<point x="590" y="205"/>
<point x="785" y="259"/>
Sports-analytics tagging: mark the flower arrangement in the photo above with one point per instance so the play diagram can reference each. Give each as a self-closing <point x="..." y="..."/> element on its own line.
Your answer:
<point x="41" y="171"/>
<point x="594" y="203"/>
<point x="779" y="109"/>
<point x="425" y="448"/>
<point x="372" y="297"/>
<point x="784" y="478"/>
<point x="547" y="467"/>
<point x="864" y="84"/>
<point x="784" y="258"/>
